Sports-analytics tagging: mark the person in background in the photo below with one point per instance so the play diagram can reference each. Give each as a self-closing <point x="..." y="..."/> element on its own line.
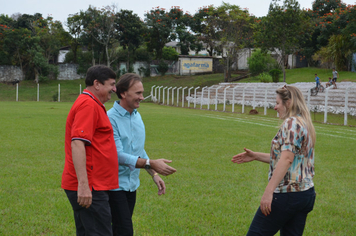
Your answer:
<point x="335" y="77"/>
<point x="129" y="135"/>
<point x="328" y="84"/>
<point x="91" y="165"/>
<point x="289" y="195"/>
<point x="317" y="80"/>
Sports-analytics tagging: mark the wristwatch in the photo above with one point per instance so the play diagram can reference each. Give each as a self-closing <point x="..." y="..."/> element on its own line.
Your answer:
<point x="147" y="166"/>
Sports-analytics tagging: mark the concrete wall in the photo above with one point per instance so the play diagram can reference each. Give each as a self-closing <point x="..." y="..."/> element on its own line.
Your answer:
<point x="136" y="66"/>
<point x="297" y="61"/>
<point x="243" y="54"/>
<point x="10" y="73"/>
<point x="68" y="72"/>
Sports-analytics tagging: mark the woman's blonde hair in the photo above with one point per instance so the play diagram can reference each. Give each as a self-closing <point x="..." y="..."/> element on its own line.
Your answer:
<point x="297" y="106"/>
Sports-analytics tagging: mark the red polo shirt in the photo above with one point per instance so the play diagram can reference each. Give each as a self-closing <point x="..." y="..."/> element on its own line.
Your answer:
<point x="87" y="121"/>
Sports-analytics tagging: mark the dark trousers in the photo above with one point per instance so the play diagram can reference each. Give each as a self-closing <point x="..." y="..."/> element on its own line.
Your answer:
<point x="95" y="220"/>
<point x="122" y="204"/>
<point x="289" y="213"/>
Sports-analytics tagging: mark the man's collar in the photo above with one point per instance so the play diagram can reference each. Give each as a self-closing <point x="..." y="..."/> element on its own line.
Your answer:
<point x="122" y="111"/>
<point x="88" y="92"/>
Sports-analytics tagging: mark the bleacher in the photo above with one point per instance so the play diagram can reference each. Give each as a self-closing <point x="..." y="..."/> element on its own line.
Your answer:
<point x="254" y="94"/>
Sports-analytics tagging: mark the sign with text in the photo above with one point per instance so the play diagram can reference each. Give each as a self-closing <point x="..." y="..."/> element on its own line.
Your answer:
<point x="196" y="65"/>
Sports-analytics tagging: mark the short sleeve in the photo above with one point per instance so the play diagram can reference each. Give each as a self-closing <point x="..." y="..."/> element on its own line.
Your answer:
<point x="83" y="127"/>
<point x="291" y="135"/>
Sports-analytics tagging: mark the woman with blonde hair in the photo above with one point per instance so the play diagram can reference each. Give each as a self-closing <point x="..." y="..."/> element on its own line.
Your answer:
<point x="289" y="195"/>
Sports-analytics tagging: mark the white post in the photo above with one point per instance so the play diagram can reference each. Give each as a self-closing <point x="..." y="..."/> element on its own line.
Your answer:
<point x="326" y="106"/>
<point x="183" y="96"/>
<point x="254" y="97"/>
<point x="346" y="105"/>
<point x="202" y="96"/>
<point x="308" y="103"/>
<point x="168" y="95"/>
<point x="216" y="97"/>
<point x="209" y="97"/>
<point x="80" y="88"/>
<point x="173" y="95"/>
<point x="225" y="96"/>
<point x="178" y="95"/>
<point x="59" y="92"/>
<point x="159" y="94"/>
<point x="38" y="92"/>
<point x="189" y="96"/>
<point x="17" y="92"/>
<point x="152" y="91"/>
<point x="265" y="111"/>
<point x="233" y="98"/>
<point x="156" y="93"/>
<point x="195" y="96"/>
<point x="243" y="100"/>
<point x="163" y="94"/>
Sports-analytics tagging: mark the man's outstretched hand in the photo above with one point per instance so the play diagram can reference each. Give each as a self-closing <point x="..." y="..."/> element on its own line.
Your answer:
<point x="161" y="167"/>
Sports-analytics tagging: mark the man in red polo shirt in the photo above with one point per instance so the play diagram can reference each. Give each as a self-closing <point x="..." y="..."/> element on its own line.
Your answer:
<point x="91" y="164"/>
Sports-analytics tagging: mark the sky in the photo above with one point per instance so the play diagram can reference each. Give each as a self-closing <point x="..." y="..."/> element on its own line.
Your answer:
<point x="60" y="10"/>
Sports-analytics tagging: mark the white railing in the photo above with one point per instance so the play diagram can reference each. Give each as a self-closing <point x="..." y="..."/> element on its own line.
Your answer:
<point x="225" y="96"/>
<point x="183" y="96"/>
<point x="340" y="101"/>
<point x="178" y="95"/>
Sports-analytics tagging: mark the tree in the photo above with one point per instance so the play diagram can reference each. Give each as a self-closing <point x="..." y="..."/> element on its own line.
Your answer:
<point x="324" y="7"/>
<point x="338" y="29"/>
<point x="32" y="46"/>
<point x="228" y="29"/>
<point x="327" y="19"/>
<point x="130" y="30"/>
<point x="181" y="30"/>
<point x="6" y="20"/>
<point x="283" y="30"/>
<point x="259" y="62"/>
<point x="26" y="21"/>
<point x="101" y="26"/>
<point x="75" y="24"/>
<point x="204" y="29"/>
<point x="52" y="36"/>
<point x="235" y="33"/>
<point x="173" y="25"/>
<point x="159" y="29"/>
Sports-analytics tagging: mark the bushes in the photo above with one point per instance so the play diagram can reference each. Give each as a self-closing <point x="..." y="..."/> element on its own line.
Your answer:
<point x="84" y="60"/>
<point x="162" y="67"/>
<point x="275" y="74"/>
<point x="265" y="77"/>
<point x="169" y="54"/>
<point x="260" y="62"/>
<point x="145" y="71"/>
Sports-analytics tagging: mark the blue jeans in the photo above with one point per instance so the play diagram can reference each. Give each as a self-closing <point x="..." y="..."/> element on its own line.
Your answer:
<point x="289" y="213"/>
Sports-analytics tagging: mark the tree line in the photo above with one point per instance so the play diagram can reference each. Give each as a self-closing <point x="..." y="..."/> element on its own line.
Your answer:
<point x="324" y="34"/>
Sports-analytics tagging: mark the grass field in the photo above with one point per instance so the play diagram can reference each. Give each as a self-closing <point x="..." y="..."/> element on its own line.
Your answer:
<point x="209" y="195"/>
<point x="70" y="88"/>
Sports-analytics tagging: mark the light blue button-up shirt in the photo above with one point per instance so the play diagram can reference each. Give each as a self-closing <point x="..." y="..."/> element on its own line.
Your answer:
<point x="129" y="135"/>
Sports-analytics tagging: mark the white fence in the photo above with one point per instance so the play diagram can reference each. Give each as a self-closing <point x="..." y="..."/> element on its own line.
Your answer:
<point x="38" y="92"/>
<point x="338" y="101"/>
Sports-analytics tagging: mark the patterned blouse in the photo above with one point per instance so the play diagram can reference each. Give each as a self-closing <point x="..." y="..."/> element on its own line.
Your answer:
<point x="293" y="136"/>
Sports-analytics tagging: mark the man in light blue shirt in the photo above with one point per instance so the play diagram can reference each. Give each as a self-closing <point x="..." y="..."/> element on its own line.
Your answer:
<point x="129" y="135"/>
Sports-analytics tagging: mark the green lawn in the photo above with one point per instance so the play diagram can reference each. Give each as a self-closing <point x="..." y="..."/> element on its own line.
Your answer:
<point x="209" y="195"/>
<point x="307" y="74"/>
<point x="70" y="88"/>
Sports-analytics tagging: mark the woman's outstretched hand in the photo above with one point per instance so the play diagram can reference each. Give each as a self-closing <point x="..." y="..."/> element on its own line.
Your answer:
<point x="244" y="157"/>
